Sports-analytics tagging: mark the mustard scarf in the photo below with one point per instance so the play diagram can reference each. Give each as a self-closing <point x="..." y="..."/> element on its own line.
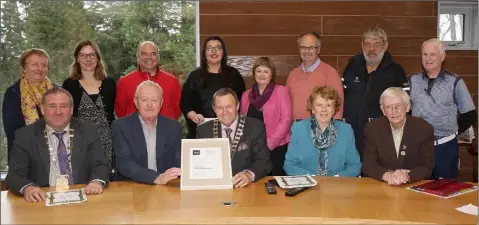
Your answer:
<point x="31" y="97"/>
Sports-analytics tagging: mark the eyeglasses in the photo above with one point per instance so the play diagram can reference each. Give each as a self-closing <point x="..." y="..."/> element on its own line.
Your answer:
<point x="38" y="65"/>
<point x="216" y="48"/>
<point x="394" y="108"/>
<point x="307" y="48"/>
<point x="85" y="56"/>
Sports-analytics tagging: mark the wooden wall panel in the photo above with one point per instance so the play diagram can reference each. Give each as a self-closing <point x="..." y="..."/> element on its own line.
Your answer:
<point x="461" y="65"/>
<point x="396" y="26"/>
<point x="386" y="8"/>
<point x="464" y="53"/>
<point x="471" y="83"/>
<point x="259" y="24"/>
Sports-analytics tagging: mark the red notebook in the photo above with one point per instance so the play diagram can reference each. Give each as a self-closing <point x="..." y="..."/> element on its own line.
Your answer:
<point x="444" y="188"/>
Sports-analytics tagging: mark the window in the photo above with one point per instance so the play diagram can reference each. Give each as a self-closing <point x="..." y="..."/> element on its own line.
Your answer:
<point x="457" y="25"/>
<point x="117" y="27"/>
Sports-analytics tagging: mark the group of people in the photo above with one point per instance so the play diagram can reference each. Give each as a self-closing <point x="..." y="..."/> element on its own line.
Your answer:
<point x="373" y="121"/>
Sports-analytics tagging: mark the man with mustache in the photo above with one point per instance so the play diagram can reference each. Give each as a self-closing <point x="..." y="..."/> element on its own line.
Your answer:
<point x="147" y="56"/>
<point x="312" y="73"/>
<point x="365" y="78"/>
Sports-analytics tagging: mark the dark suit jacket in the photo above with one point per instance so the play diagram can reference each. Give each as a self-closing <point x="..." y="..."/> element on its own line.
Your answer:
<point x="30" y="158"/>
<point x="130" y="150"/>
<point x="417" y="143"/>
<point x="256" y="157"/>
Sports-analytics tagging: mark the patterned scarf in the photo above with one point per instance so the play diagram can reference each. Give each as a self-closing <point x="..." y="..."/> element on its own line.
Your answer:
<point x="257" y="99"/>
<point x="322" y="140"/>
<point x="31" y="98"/>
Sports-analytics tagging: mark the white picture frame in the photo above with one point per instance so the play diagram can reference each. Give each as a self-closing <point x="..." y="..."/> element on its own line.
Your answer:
<point x="216" y="173"/>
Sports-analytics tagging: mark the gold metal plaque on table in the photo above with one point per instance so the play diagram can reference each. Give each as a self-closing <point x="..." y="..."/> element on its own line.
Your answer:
<point x="62" y="183"/>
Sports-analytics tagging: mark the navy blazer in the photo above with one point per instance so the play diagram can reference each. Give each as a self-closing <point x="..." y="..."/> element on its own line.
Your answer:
<point x="129" y="146"/>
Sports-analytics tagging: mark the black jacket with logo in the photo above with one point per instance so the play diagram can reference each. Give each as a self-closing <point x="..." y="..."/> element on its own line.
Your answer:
<point x="362" y="91"/>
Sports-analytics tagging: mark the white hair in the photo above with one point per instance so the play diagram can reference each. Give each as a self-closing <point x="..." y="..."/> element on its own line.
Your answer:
<point x="394" y="92"/>
<point x="147" y="42"/>
<point x="148" y="83"/>
<point x="438" y="43"/>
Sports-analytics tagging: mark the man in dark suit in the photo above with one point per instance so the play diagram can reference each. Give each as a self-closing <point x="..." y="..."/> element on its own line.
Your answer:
<point x="398" y="148"/>
<point x="249" y="152"/>
<point x="147" y="145"/>
<point x="56" y="148"/>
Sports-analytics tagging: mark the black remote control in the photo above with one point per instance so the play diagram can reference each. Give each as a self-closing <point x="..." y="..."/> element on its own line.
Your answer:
<point x="270" y="188"/>
<point x="294" y="191"/>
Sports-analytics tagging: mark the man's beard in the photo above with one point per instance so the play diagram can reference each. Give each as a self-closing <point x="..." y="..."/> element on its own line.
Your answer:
<point x="373" y="61"/>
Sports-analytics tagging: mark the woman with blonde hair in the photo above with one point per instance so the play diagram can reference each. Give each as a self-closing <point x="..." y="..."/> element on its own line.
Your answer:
<point x="22" y="100"/>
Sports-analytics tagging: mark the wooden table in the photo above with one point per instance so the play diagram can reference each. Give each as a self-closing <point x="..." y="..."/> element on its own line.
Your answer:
<point x="335" y="200"/>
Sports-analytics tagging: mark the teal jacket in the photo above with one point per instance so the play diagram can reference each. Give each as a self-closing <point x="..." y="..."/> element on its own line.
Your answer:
<point x="302" y="155"/>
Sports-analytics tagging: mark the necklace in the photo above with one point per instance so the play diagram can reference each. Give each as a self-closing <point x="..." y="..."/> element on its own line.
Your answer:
<point x="53" y="156"/>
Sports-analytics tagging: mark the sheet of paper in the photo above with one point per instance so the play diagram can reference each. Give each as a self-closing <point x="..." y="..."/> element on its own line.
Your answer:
<point x="296" y="181"/>
<point x="468" y="209"/>
<point x="206" y="163"/>
<point x="65" y="197"/>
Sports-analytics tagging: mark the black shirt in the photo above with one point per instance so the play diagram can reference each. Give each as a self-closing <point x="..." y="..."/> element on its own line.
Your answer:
<point x="254" y="113"/>
<point x="197" y="92"/>
<point x="107" y="92"/>
<point x="362" y="91"/>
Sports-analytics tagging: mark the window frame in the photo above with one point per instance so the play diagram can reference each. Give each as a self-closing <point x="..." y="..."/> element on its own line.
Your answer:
<point x="470" y="34"/>
<point x="197" y="34"/>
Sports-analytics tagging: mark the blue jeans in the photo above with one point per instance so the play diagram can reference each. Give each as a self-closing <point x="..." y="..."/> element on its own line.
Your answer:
<point x="446" y="160"/>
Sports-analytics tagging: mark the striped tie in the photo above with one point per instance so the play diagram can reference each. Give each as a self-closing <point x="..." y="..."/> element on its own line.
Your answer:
<point x="228" y="133"/>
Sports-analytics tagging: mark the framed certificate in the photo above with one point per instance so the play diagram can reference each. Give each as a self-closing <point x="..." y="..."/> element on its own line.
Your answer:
<point x="205" y="164"/>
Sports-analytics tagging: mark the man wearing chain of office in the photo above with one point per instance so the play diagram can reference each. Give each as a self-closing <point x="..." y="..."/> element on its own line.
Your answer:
<point x="57" y="150"/>
<point x="249" y="152"/>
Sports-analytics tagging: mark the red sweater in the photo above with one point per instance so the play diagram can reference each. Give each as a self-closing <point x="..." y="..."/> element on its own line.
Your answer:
<point x="126" y="87"/>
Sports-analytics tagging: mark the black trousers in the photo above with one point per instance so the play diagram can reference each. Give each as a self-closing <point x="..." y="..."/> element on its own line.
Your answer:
<point x="277" y="157"/>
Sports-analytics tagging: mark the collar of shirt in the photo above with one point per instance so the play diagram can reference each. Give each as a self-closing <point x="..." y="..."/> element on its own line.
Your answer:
<point x="50" y="130"/>
<point x="147" y="74"/>
<point x="442" y="74"/>
<point x="232" y="127"/>
<point x="312" y="67"/>
<point x="398" y="129"/>
<point x="144" y="126"/>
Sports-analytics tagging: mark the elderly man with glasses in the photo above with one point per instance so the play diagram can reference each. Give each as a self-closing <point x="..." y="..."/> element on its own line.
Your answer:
<point x="398" y="148"/>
